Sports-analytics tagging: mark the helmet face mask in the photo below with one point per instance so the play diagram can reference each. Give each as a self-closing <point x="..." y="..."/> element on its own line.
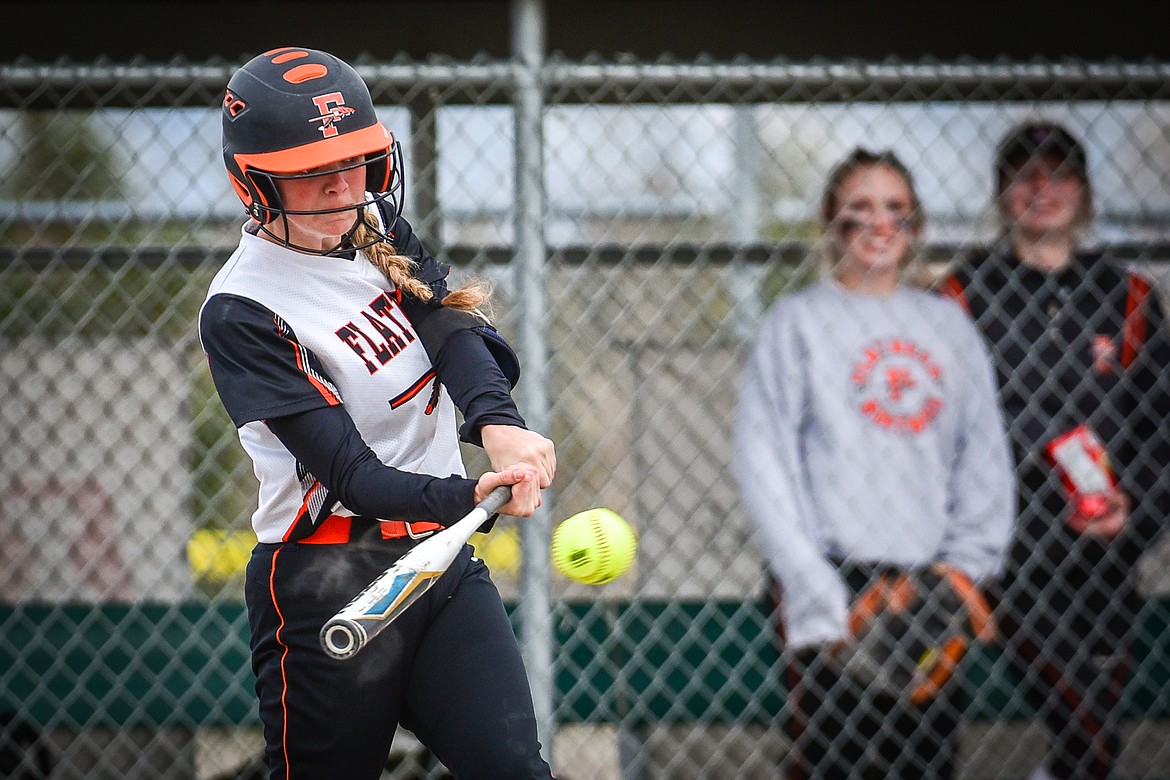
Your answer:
<point x="274" y="212"/>
<point x="287" y="114"/>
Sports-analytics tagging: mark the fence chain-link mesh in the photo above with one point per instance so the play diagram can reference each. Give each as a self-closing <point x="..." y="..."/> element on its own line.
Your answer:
<point x="678" y="202"/>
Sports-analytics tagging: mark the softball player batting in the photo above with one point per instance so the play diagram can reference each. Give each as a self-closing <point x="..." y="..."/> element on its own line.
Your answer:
<point x="341" y="356"/>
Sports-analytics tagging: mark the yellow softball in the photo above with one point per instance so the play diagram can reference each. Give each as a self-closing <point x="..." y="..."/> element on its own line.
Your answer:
<point x="594" y="546"/>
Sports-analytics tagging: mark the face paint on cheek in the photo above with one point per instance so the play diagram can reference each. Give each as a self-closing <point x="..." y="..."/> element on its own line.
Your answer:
<point x="849" y="226"/>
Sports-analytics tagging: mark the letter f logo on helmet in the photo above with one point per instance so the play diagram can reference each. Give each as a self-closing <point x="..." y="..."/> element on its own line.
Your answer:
<point x="333" y="109"/>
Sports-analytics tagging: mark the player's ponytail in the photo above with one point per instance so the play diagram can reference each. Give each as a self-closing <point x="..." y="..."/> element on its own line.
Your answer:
<point x="473" y="296"/>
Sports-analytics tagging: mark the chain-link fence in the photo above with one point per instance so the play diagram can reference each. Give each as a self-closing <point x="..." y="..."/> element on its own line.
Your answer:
<point x="677" y="202"/>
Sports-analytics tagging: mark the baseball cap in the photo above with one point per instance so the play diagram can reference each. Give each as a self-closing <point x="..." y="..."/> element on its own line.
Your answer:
<point x="1037" y="139"/>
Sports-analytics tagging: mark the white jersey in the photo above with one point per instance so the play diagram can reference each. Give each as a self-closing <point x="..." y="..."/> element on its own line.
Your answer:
<point x="293" y="332"/>
<point x="868" y="429"/>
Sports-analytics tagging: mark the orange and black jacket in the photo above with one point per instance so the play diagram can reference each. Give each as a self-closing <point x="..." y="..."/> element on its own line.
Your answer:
<point x="1086" y="344"/>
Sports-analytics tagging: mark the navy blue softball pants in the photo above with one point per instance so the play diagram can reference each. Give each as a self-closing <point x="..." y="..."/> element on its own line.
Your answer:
<point x="448" y="669"/>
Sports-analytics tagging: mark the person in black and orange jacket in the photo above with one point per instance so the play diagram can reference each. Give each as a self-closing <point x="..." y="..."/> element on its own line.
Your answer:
<point x="1078" y="340"/>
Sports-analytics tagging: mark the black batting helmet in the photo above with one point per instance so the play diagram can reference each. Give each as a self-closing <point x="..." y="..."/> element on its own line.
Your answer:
<point x="291" y="110"/>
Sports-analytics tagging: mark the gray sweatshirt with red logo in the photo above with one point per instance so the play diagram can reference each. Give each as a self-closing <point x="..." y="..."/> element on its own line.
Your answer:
<point x="868" y="429"/>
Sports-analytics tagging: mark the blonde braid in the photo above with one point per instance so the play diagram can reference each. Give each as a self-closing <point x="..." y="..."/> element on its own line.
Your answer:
<point x="399" y="270"/>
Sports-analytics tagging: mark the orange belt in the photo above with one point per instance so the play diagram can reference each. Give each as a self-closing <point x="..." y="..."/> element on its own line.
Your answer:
<point x="337" y="529"/>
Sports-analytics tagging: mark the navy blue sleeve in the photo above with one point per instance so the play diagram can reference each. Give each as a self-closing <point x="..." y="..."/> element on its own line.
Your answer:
<point x="259" y="368"/>
<point x="475" y="364"/>
<point x="469" y="371"/>
<point x="327" y="443"/>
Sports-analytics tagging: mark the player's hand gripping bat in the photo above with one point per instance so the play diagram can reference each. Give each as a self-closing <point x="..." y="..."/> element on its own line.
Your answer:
<point x="394" y="590"/>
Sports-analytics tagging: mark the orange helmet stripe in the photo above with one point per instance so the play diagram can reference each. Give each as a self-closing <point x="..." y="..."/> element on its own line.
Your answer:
<point x="375" y="138"/>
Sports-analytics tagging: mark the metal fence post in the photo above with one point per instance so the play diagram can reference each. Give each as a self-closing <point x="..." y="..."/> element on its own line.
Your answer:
<point x="528" y="21"/>
<point x="424" y="190"/>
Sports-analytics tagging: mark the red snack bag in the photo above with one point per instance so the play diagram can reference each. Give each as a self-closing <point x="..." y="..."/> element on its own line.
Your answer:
<point x="1084" y="467"/>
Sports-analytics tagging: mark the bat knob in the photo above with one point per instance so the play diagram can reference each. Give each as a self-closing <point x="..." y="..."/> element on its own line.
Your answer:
<point x="341" y="640"/>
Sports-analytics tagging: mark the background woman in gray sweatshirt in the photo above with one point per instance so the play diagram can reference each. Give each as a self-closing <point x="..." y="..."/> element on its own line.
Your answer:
<point x="868" y="438"/>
